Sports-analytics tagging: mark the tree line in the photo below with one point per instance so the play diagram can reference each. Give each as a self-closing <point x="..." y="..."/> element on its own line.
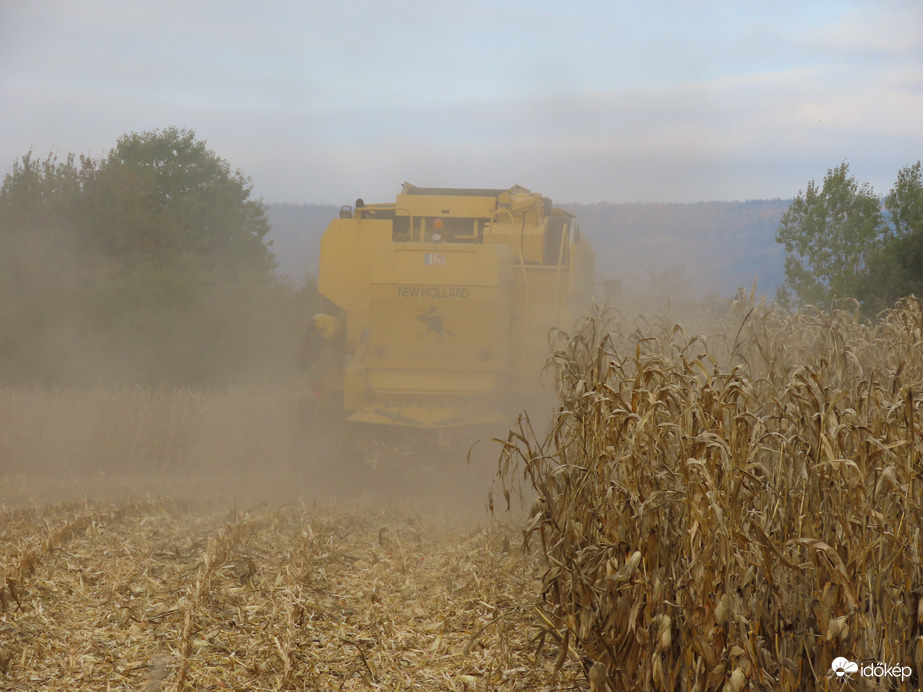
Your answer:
<point x="149" y="264"/>
<point x="843" y="241"/>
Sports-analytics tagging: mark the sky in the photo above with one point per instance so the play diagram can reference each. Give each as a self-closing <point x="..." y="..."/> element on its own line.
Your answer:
<point x="584" y="101"/>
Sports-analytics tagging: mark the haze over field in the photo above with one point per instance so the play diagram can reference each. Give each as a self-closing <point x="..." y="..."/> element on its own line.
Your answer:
<point x="690" y="249"/>
<point x="585" y="101"/>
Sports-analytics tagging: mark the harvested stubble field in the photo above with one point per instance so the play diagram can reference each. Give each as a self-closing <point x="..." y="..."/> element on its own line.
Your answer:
<point x="176" y="539"/>
<point x="167" y="594"/>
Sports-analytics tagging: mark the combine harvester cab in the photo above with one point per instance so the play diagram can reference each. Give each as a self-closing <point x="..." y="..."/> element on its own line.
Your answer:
<point x="444" y="301"/>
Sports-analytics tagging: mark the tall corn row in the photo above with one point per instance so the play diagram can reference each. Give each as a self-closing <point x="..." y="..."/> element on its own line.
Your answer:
<point x="732" y="510"/>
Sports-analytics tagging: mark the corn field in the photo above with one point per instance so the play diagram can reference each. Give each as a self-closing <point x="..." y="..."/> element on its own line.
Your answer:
<point x="732" y="508"/>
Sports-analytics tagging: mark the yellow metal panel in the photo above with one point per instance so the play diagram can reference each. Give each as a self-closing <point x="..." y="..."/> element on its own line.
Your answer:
<point x="527" y="244"/>
<point x="346" y="251"/>
<point x="439" y="319"/>
<point x="429" y="263"/>
<point x="346" y="255"/>
<point x="392" y="382"/>
<point x="426" y="416"/>
<point x="447" y="205"/>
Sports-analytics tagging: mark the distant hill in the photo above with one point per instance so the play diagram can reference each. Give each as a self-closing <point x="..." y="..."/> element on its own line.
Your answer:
<point x="716" y="247"/>
<point x="295" y="235"/>
<point x="719" y="246"/>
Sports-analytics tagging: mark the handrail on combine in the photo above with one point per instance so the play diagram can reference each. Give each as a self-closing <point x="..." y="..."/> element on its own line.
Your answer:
<point x="557" y="276"/>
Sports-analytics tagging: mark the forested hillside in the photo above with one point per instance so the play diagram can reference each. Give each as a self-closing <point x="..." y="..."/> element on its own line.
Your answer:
<point x="708" y="247"/>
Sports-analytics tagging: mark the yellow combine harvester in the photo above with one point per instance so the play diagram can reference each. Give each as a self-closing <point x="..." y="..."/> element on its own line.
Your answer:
<point x="443" y="304"/>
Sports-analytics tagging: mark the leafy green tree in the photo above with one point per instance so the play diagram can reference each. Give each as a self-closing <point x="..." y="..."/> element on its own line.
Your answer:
<point x="164" y="199"/>
<point x="896" y="270"/>
<point x="905" y="207"/>
<point x="905" y="202"/>
<point x="829" y="234"/>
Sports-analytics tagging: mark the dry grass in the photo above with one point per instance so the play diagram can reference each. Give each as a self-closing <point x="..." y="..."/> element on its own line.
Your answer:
<point x="733" y="509"/>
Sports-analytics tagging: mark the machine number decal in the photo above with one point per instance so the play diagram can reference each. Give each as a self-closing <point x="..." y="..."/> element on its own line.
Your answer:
<point x="434" y="259"/>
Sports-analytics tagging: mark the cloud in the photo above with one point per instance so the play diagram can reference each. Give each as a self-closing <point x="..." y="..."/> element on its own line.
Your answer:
<point x="889" y="30"/>
<point x="587" y="100"/>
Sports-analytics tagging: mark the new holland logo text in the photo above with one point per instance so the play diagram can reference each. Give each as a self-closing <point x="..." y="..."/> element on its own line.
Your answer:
<point x="432" y="291"/>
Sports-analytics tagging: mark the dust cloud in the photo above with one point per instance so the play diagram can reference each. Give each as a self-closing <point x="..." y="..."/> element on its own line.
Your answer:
<point x="249" y="444"/>
<point x="245" y="446"/>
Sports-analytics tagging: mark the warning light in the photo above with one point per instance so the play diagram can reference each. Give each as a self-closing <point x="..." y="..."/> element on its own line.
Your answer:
<point x="437" y="224"/>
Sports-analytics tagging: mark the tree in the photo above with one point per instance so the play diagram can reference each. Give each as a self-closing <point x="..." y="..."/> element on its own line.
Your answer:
<point x="895" y="268"/>
<point x="164" y="199"/>
<point x="905" y="207"/>
<point x="42" y="224"/>
<point x="905" y="202"/>
<point x="148" y="265"/>
<point x="187" y="271"/>
<point x="829" y="235"/>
